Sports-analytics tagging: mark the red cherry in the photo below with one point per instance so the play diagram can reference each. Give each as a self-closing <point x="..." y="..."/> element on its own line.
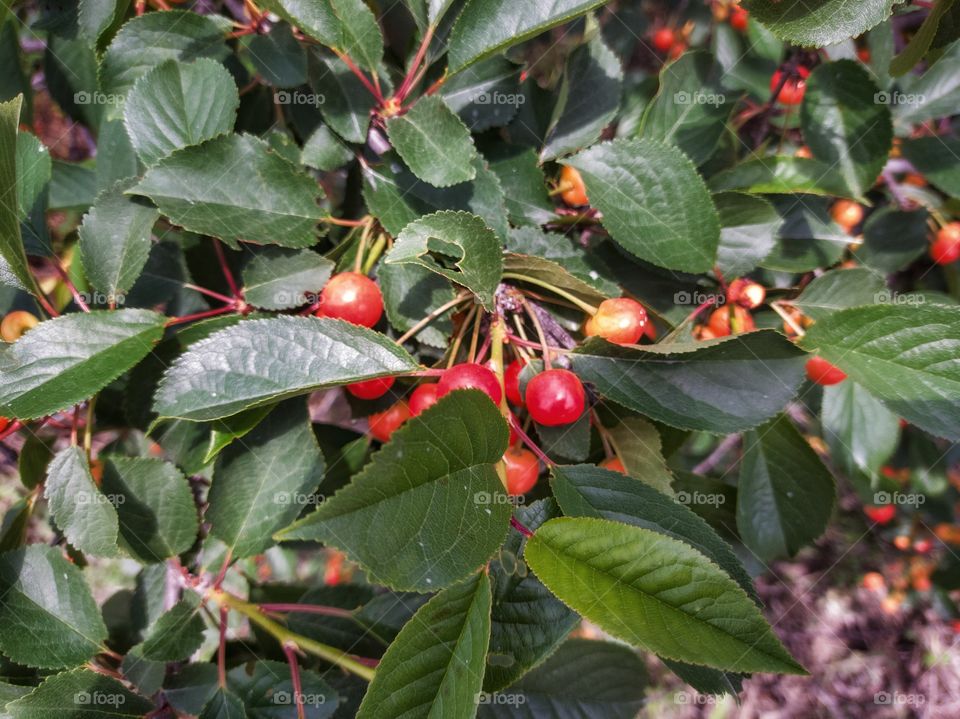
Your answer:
<point x="739" y="18"/>
<point x="663" y="39"/>
<point x="721" y="324"/>
<point x="371" y="388"/>
<point x="946" y="248"/>
<point x="847" y="214"/>
<point x="470" y="375"/>
<point x="746" y="293"/>
<point x="793" y="88"/>
<point x="863" y="54"/>
<point x="555" y="397"/>
<point x="514" y="435"/>
<point x="823" y="373"/>
<point x="614" y="465"/>
<point x="619" y="320"/>
<point x="522" y="470"/>
<point x="511" y="381"/>
<point x="423" y="397"/>
<point x="382" y="424"/>
<point x="881" y="515"/>
<point x="352" y="297"/>
<point x="922" y="546"/>
<point x="4" y="423"/>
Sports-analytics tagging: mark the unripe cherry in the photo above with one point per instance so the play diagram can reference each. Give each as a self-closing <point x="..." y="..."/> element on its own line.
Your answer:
<point x="523" y="468"/>
<point x="383" y="424"/>
<point x="823" y="373"/>
<point x="470" y="375"/>
<point x="422" y="398"/>
<point x="575" y="192"/>
<point x="371" y="388"/>
<point x="555" y="397"/>
<point x="353" y="297"/>
<point x="619" y="320"/>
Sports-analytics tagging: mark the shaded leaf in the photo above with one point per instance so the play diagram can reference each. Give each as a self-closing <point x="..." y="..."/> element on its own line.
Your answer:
<point x="87" y="517"/>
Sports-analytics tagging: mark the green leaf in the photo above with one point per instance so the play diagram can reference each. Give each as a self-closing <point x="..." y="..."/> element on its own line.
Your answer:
<point x="539" y="272"/>
<point x="177" y="633"/>
<point x="690" y="108"/>
<point x="488" y="26"/>
<point x="840" y="289"/>
<point x="523" y="183"/>
<point x="228" y="430"/>
<point x="80" y="694"/>
<point x="224" y="704"/>
<point x="269" y="202"/>
<point x="589" y="97"/>
<point x="435" y="665"/>
<point x="434" y="143"/>
<point x="266" y="691"/>
<point x="584" y="679"/>
<point x="324" y="151"/>
<point x="932" y="157"/>
<point x="346" y="103"/>
<point x="903" y="355"/>
<point x="48" y="617"/>
<point x="346" y="25"/>
<point x="34" y="168"/>
<point x="528" y="623"/>
<point x="808" y="237"/>
<point x="782" y="175"/>
<point x="258" y="362"/>
<point x="892" y="239"/>
<point x="262" y="484"/>
<point x="456" y="245"/>
<point x="655" y="592"/>
<point x="817" y="23"/>
<point x="785" y="495"/>
<point x="409" y="293"/>
<point x="158" y="517"/>
<point x="177" y="105"/>
<point x="279" y="57"/>
<point x="581" y="262"/>
<point x="11" y="244"/>
<point x="148" y="40"/>
<point x="87" y="517"/>
<point x="396" y="197"/>
<point x="654" y="203"/>
<point x="844" y="125"/>
<point x="748" y="228"/>
<point x="115" y="241"/>
<point x="72" y="186"/>
<point x="278" y="278"/>
<point x="637" y="444"/>
<point x="94" y="17"/>
<point x="429" y="508"/>
<point x="63" y="361"/>
<point x="921" y="40"/>
<point x="861" y="432"/>
<point x="721" y="386"/>
<point x="585" y="490"/>
<point x="485" y="95"/>
<point x="932" y="95"/>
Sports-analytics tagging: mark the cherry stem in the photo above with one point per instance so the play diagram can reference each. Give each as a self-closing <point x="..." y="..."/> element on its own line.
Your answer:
<point x="516" y="524"/>
<point x="413" y="77"/>
<point x="586" y="307"/>
<point x="222" y="650"/>
<point x="308" y="609"/>
<point x="208" y="293"/>
<point x="201" y="315"/>
<point x="227" y="274"/>
<point x="521" y="342"/>
<point x="359" y="73"/>
<point x="12" y="429"/>
<point x="223" y="569"/>
<point x="290" y="650"/>
<point x="70" y="286"/>
<point x="431" y="317"/>
<point x="529" y="442"/>
<point x="345" y="223"/>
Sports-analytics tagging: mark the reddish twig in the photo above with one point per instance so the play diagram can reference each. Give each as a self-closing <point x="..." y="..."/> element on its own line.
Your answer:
<point x="227" y="274"/>
<point x="516" y="524"/>
<point x="290" y="651"/>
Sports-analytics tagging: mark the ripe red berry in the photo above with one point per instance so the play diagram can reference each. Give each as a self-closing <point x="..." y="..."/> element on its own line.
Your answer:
<point x="522" y="470"/>
<point x="614" y="465"/>
<point x="863" y="54"/>
<point x="555" y="397"/>
<point x="721" y="324"/>
<point x="574" y="191"/>
<point x="739" y="18"/>
<point x="793" y="89"/>
<point x="423" y="397"/>
<point x="946" y="247"/>
<point x="4" y="423"/>
<point x="923" y="545"/>
<point x="352" y="297"/>
<point x="371" y="388"/>
<point x="382" y="424"/>
<point x="823" y="373"/>
<point x="620" y="321"/>
<point x="470" y="375"/>
<point x="511" y="381"/>
<point x="746" y="293"/>
<point x="677" y="50"/>
<point x="847" y="214"/>
<point x="883" y="514"/>
<point x="663" y="39"/>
